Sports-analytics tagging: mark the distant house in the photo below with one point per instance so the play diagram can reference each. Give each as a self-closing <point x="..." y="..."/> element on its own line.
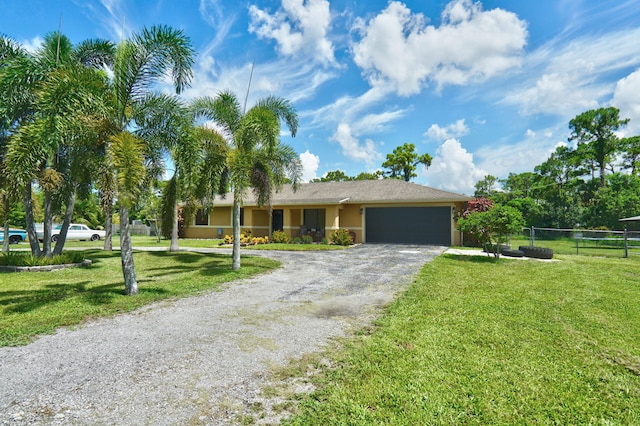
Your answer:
<point x="376" y="211"/>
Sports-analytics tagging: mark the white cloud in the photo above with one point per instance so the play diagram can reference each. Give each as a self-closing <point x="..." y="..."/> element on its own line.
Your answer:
<point x="568" y="77"/>
<point x="471" y="44"/>
<point x="352" y="147"/>
<point x="310" y="163"/>
<point x="453" y="169"/>
<point x="32" y="45"/>
<point x="299" y="27"/>
<point x="453" y="130"/>
<point x="626" y="99"/>
<point x="291" y="80"/>
<point x="522" y="156"/>
<point x="221" y="20"/>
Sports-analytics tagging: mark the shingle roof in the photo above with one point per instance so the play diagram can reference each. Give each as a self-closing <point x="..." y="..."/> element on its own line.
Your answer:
<point x="361" y="191"/>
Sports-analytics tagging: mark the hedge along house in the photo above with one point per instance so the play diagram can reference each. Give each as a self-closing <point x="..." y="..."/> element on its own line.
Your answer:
<point x="377" y="211"/>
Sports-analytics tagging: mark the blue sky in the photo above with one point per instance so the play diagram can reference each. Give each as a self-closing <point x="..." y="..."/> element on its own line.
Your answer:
<point x="485" y="87"/>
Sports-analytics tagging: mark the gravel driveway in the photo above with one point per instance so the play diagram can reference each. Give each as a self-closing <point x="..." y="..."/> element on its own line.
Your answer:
<point x="202" y="360"/>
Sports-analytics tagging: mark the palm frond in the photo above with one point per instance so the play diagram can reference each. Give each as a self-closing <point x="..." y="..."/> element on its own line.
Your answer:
<point x="56" y="49"/>
<point x="259" y="127"/>
<point x="25" y="154"/>
<point x="9" y="49"/>
<point x="147" y="57"/>
<point x="160" y="120"/>
<point x="95" y="53"/>
<point x="167" y="49"/>
<point x="283" y="109"/>
<point x="224" y="109"/>
<point x="127" y="156"/>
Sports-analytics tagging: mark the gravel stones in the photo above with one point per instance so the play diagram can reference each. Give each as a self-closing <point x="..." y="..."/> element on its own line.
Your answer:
<point x="205" y="359"/>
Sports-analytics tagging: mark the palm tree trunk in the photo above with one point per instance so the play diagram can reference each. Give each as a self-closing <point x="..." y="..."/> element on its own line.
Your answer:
<point x="5" y="242"/>
<point x="48" y="224"/>
<point x="126" y="254"/>
<point x="108" y="227"/>
<point x="173" y="247"/>
<point x="30" y="224"/>
<point x="68" y="213"/>
<point x="236" y="232"/>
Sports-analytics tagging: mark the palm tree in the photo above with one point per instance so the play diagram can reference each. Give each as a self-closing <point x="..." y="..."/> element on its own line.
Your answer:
<point x="140" y="62"/>
<point x="200" y="160"/>
<point x="256" y="158"/>
<point x="51" y="100"/>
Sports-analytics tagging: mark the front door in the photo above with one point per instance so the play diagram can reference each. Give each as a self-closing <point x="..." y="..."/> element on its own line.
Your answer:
<point x="277" y="220"/>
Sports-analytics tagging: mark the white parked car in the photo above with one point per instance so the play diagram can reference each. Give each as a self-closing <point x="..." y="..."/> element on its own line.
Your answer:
<point x="78" y="232"/>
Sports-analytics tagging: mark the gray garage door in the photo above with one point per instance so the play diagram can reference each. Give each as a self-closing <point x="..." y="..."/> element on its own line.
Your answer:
<point x="409" y="225"/>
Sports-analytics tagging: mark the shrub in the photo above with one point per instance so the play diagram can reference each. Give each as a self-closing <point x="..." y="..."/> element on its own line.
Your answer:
<point x="245" y="237"/>
<point x="492" y="227"/>
<point x="280" y="237"/>
<point x="297" y="240"/>
<point x="324" y="241"/>
<point x="259" y="240"/>
<point x="341" y="237"/>
<point x="27" y="259"/>
<point x="307" y="239"/>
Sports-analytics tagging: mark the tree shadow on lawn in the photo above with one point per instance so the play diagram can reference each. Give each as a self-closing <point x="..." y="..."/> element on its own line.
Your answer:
<point x="30" y="300"/>
<point x="471" y="259"/>
<point x="210" y="264"/>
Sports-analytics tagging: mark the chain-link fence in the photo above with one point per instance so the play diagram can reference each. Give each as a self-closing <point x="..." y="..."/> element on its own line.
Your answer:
<point x="582" y="241"/>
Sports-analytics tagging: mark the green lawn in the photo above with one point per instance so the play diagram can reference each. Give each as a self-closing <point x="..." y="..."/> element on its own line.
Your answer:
<point x="138" y="241"/>
<point x="585" y="247"/>
<point x="33" y="303"/>
<point x="474" y="341"/>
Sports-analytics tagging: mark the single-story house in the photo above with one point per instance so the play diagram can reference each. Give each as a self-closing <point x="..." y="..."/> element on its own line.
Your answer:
<point x="376" y="211"/>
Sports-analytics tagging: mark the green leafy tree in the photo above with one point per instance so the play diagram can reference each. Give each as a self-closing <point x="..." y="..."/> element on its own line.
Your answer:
<point x="492" y="227"/>
<point x="401" y="164"/>
<point x="369" y="175"/>
<point x="256" y="159"/>
<point x="594" y="131"/>
<point x="334" y="176"/>
<point x="619" y="198"/>
<point x="631" y="154"/>
<point x="486" y="187"/>
<point x="560" y="189"/>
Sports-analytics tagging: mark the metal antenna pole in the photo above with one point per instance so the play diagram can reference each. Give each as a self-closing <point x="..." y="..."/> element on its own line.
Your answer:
<point x="58" y="49"/>
<point x="246" y="98"/>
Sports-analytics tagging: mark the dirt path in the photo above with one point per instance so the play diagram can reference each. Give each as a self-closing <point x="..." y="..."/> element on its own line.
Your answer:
<point x="201" y="360"/>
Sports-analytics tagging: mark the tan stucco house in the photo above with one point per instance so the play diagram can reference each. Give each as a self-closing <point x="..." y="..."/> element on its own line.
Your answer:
<point x="377" y="211"/>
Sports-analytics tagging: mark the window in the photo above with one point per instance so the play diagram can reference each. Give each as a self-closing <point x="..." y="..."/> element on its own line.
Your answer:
<point x="201" y="218"/>
<point x="241" y="216"/>
<point x="314" y="219"/>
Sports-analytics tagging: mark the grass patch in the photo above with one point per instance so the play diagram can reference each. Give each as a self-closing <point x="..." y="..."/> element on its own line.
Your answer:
<point x="139" y="241"/>
<point x="475" y="341"/>
<point x="584" y="247"/>
<point x="27" y="259"/>
<point x="33" y="303"/>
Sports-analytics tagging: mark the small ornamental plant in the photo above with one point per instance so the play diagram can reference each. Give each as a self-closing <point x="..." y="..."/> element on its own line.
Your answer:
<point x="341" y="237"/>
<point x="259" y="240"/>
<point x="280" y="237"/>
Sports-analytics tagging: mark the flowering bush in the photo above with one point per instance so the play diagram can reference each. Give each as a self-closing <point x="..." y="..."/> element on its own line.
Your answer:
<point x="245" y="239"/>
